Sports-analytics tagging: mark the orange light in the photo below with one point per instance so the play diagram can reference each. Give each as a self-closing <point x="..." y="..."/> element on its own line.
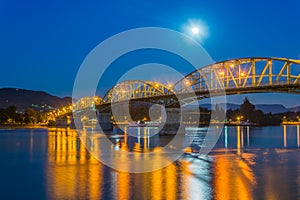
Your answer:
<point x="221" y="73"/>
<point x="170" y="85"/>
<point x="187" y="82"/>
<point x="243" y="74"/>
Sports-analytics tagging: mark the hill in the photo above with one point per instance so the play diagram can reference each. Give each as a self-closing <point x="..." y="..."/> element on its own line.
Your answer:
<point x="38" y="100"/>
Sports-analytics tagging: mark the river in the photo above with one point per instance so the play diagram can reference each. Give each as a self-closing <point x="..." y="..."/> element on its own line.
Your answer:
<point x="246" y="163"/>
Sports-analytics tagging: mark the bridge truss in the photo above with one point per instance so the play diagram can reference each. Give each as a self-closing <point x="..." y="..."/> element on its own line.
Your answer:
<point x="235" y="76"/>
<point x="135" y="89"/>
<point x="244" y="74"/>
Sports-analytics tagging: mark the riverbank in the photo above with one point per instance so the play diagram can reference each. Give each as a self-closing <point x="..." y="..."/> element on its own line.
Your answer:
<point x="9" y="126"/>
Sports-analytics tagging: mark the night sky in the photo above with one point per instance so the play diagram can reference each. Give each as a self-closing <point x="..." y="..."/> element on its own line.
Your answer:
<point x="43" y="43"/>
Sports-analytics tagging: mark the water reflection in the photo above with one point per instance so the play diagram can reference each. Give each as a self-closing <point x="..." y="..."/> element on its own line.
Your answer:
<point x="298" y="135"/>
<point x="244" y="165"/>
<point x="234" y="178"/>
<point x="72" y="172"/>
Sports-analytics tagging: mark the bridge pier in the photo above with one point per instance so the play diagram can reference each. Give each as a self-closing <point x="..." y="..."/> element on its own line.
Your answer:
<point x="172" y="120"/>
<point x="104" y="120"/>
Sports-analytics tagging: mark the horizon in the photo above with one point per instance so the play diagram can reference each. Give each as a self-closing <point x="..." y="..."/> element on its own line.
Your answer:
<point x="231" y="99"/>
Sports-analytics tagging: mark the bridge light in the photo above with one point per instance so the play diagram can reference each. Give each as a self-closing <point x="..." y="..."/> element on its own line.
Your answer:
<point x="243" y="74"/>
<point x="170" y="85"/>
<point x="232" y="65"/>
<point x="270" y="62"/>
<point x="187" y="82"/>
<point x="221" y="73"/>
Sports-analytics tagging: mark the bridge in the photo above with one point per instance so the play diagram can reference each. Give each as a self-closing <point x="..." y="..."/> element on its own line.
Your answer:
<point x="234" y="76"/>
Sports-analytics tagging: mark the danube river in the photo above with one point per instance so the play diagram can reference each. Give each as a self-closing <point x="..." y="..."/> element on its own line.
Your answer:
<point x="246" y="163"/>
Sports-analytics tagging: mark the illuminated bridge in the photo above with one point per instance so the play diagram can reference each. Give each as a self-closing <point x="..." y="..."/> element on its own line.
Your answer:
<point x="235" y="76"/>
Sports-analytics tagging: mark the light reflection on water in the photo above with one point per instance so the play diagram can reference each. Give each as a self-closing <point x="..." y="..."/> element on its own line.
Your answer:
<point x="247" y="163"/>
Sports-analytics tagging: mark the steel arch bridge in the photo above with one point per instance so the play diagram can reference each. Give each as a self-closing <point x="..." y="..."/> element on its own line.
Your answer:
<point x="234" y="76"/>
<point x="135" y="89"/>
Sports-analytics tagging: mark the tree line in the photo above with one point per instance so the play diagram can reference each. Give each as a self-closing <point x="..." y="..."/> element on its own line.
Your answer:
<point x="11" y="116"/>
<point x="248" y="113"/>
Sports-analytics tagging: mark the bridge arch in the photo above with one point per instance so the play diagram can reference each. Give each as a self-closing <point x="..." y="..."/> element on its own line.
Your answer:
<point x="236" y="74"/>
<point x="87" y="102"/>
<point x="135" y="89"/>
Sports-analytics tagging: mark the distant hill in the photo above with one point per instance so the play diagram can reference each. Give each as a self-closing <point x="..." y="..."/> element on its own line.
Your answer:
<point x="295" y="109"/>
<point x="38" y="100"/>
<point x="266" y="108"/>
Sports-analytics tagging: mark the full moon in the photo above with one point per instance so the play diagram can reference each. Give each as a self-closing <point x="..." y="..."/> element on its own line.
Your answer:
<point x="195" y="30"/>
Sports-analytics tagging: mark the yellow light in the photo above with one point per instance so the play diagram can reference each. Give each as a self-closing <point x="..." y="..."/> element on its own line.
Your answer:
<point x="231" y="65"/>
<point x="243" y="74"/>
<point x="187" y="82"/>
<point x="221" y="73"/>
<point x="170" y="85"/>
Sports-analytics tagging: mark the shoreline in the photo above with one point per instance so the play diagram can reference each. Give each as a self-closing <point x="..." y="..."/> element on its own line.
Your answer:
<point x="11" y="126"/>
<point x="17" y="126"/>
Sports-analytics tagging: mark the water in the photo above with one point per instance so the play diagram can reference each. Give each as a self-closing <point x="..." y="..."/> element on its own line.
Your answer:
<point x="247" y="163"/>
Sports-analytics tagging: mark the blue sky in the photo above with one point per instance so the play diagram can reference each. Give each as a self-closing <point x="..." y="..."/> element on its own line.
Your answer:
<point x="43" y="43"/>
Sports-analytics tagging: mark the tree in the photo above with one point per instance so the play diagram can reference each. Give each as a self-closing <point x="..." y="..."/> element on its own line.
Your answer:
<point x="10" y="115"/>
<point x="31" y="116"/>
